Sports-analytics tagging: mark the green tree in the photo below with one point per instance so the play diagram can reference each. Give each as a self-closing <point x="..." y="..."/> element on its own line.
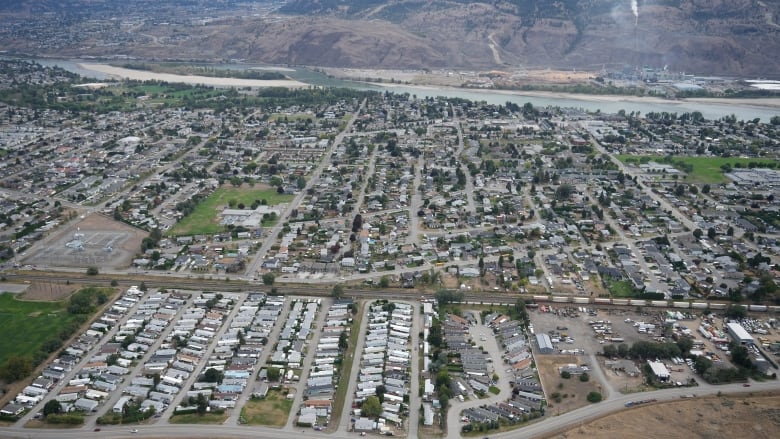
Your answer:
<point x="343" y="340"/>
<point x="384" y="282"/>
<point x="594" y="397"/>
<point x="371" y="407"/>
<point x="52" y="407"/>
<point x="337" y="292"/>
<point x="268" y="279"/>
<point x="16" y="368"/>
<point x="92" y="271"/>
<point x="212" y="376"/>
<point x="274" y="374"/>
<point x="584" y="377"/>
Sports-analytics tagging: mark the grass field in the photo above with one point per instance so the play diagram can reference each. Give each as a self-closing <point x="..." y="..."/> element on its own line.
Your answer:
<point x="273" y="410"/>
<point x="705" y="169"/>
<point x="620" y="288"/>
<point x="204" y="219"/>
<point x="27" y="325"/>
<point x="194" y="418"/>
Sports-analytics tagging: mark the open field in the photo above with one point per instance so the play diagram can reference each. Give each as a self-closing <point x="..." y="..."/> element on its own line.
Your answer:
<point x="756" y="417"/>
<point x="49" y="291"/>
<point x="204" y="219"/>
<point x="96" y="241"/>
<point x="194" y="418"/>
<point x="273" y="410"/>
<point x="705" y="169"/>
<point x="28" y="325"/>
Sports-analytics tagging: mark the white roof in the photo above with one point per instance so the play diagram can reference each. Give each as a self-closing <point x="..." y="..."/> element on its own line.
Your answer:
<point x="658" y="369"/>
<point x="739" y="332"/>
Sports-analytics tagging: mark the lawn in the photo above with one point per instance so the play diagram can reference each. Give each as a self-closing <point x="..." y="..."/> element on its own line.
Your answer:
<point x="620" y="288"/>
<point x="705" y="169"/>
<point x="204" y="220"/>
<point x="28" y="325"/>
<point x="273" y="410"/>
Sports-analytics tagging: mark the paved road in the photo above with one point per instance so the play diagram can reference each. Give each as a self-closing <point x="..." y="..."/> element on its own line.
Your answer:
<point x="357" y="353"/>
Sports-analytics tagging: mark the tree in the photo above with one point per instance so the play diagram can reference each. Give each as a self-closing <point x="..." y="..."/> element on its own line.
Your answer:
<point x="202" y="404"/>
<point x="594" y="397"/>
<point x="711" y="233"/>
<point x="584" y="377"/>
<point x="268" y="279"/>
<point x="343" y="340"/>
<point x="212" y="376"/>
<point x="337" y="292"/>
<point x="274" y="374"/>
<point x="92" y="271"/>
<point x="16" y="368"/>
<point x="698" y="233"/>
<point x="564" y="192"/>
<point x="384" y="282"/>
<point x="52" y="407"/>
<point x="371" y="407"/>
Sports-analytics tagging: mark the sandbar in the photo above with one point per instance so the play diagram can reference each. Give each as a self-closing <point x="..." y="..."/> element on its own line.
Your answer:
<point x="143" y="75"/>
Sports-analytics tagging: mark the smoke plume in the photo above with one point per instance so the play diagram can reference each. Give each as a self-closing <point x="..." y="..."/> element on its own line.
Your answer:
<point x="635" y="10"/>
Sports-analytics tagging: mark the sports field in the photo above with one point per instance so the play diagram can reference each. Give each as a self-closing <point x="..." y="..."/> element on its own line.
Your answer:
<point x="204" y="220"/>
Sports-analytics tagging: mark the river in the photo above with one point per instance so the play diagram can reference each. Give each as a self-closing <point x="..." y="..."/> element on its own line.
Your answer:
<point x="742" y="109"/>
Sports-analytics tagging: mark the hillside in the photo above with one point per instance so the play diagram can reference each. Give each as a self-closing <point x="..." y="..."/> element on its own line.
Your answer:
<point x="707" y="37"/>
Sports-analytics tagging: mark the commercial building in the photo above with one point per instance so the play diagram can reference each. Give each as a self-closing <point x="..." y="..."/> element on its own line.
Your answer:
<point x="739" y="334"/>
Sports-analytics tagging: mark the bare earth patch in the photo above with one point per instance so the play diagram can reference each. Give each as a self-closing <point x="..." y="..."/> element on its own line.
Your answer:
<point x="573" y="392"/>
<point x="756" y="417"/>
<point x="49" y="291"/>
<point x="93" y="241"/>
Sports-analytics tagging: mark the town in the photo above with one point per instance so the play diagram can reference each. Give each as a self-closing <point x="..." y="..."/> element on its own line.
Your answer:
<point x="471" y="266"/>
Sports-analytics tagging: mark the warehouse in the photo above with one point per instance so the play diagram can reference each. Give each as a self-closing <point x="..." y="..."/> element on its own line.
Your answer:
<point x="545" y="344"/>
<point x="659" y="370"/>
<point x="739" y="334"/>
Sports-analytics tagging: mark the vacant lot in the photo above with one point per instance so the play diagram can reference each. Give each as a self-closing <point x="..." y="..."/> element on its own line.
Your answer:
<point x="273" y="410"/>
<point x="194" y="418"/>
<point x="756" y="417"/>
<point x="570" y="392"/>
<point x="204" y="220"/>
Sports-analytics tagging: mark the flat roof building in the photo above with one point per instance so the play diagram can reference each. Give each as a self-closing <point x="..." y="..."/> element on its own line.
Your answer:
<point x="659" y="370"/>
<point x="738" y="333"/>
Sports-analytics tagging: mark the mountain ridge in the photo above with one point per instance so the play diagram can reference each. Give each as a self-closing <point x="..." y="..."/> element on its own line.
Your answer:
<point x="707" y="37"/>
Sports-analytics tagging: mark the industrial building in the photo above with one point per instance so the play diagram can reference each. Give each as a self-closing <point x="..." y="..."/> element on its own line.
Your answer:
<point x="659" y="370"/>
<point x="545" y="344"/>
<point x="739" y="334"/>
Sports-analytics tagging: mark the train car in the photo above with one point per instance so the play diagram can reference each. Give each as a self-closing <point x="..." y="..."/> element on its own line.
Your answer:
<point x="761" y="308"/>
<point x="716" y="305"/>
<point x="637" y="302"/>
<point x="542" y="298"/>
<point x="624" y="301"/>
<point x="602" y="301"/>
<point x="683" y="305"/>
<point x="560" y="299"/>
<point x="581" y="300"/>
<point x="659" y="303"/>
<point x="699" y="305"/>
